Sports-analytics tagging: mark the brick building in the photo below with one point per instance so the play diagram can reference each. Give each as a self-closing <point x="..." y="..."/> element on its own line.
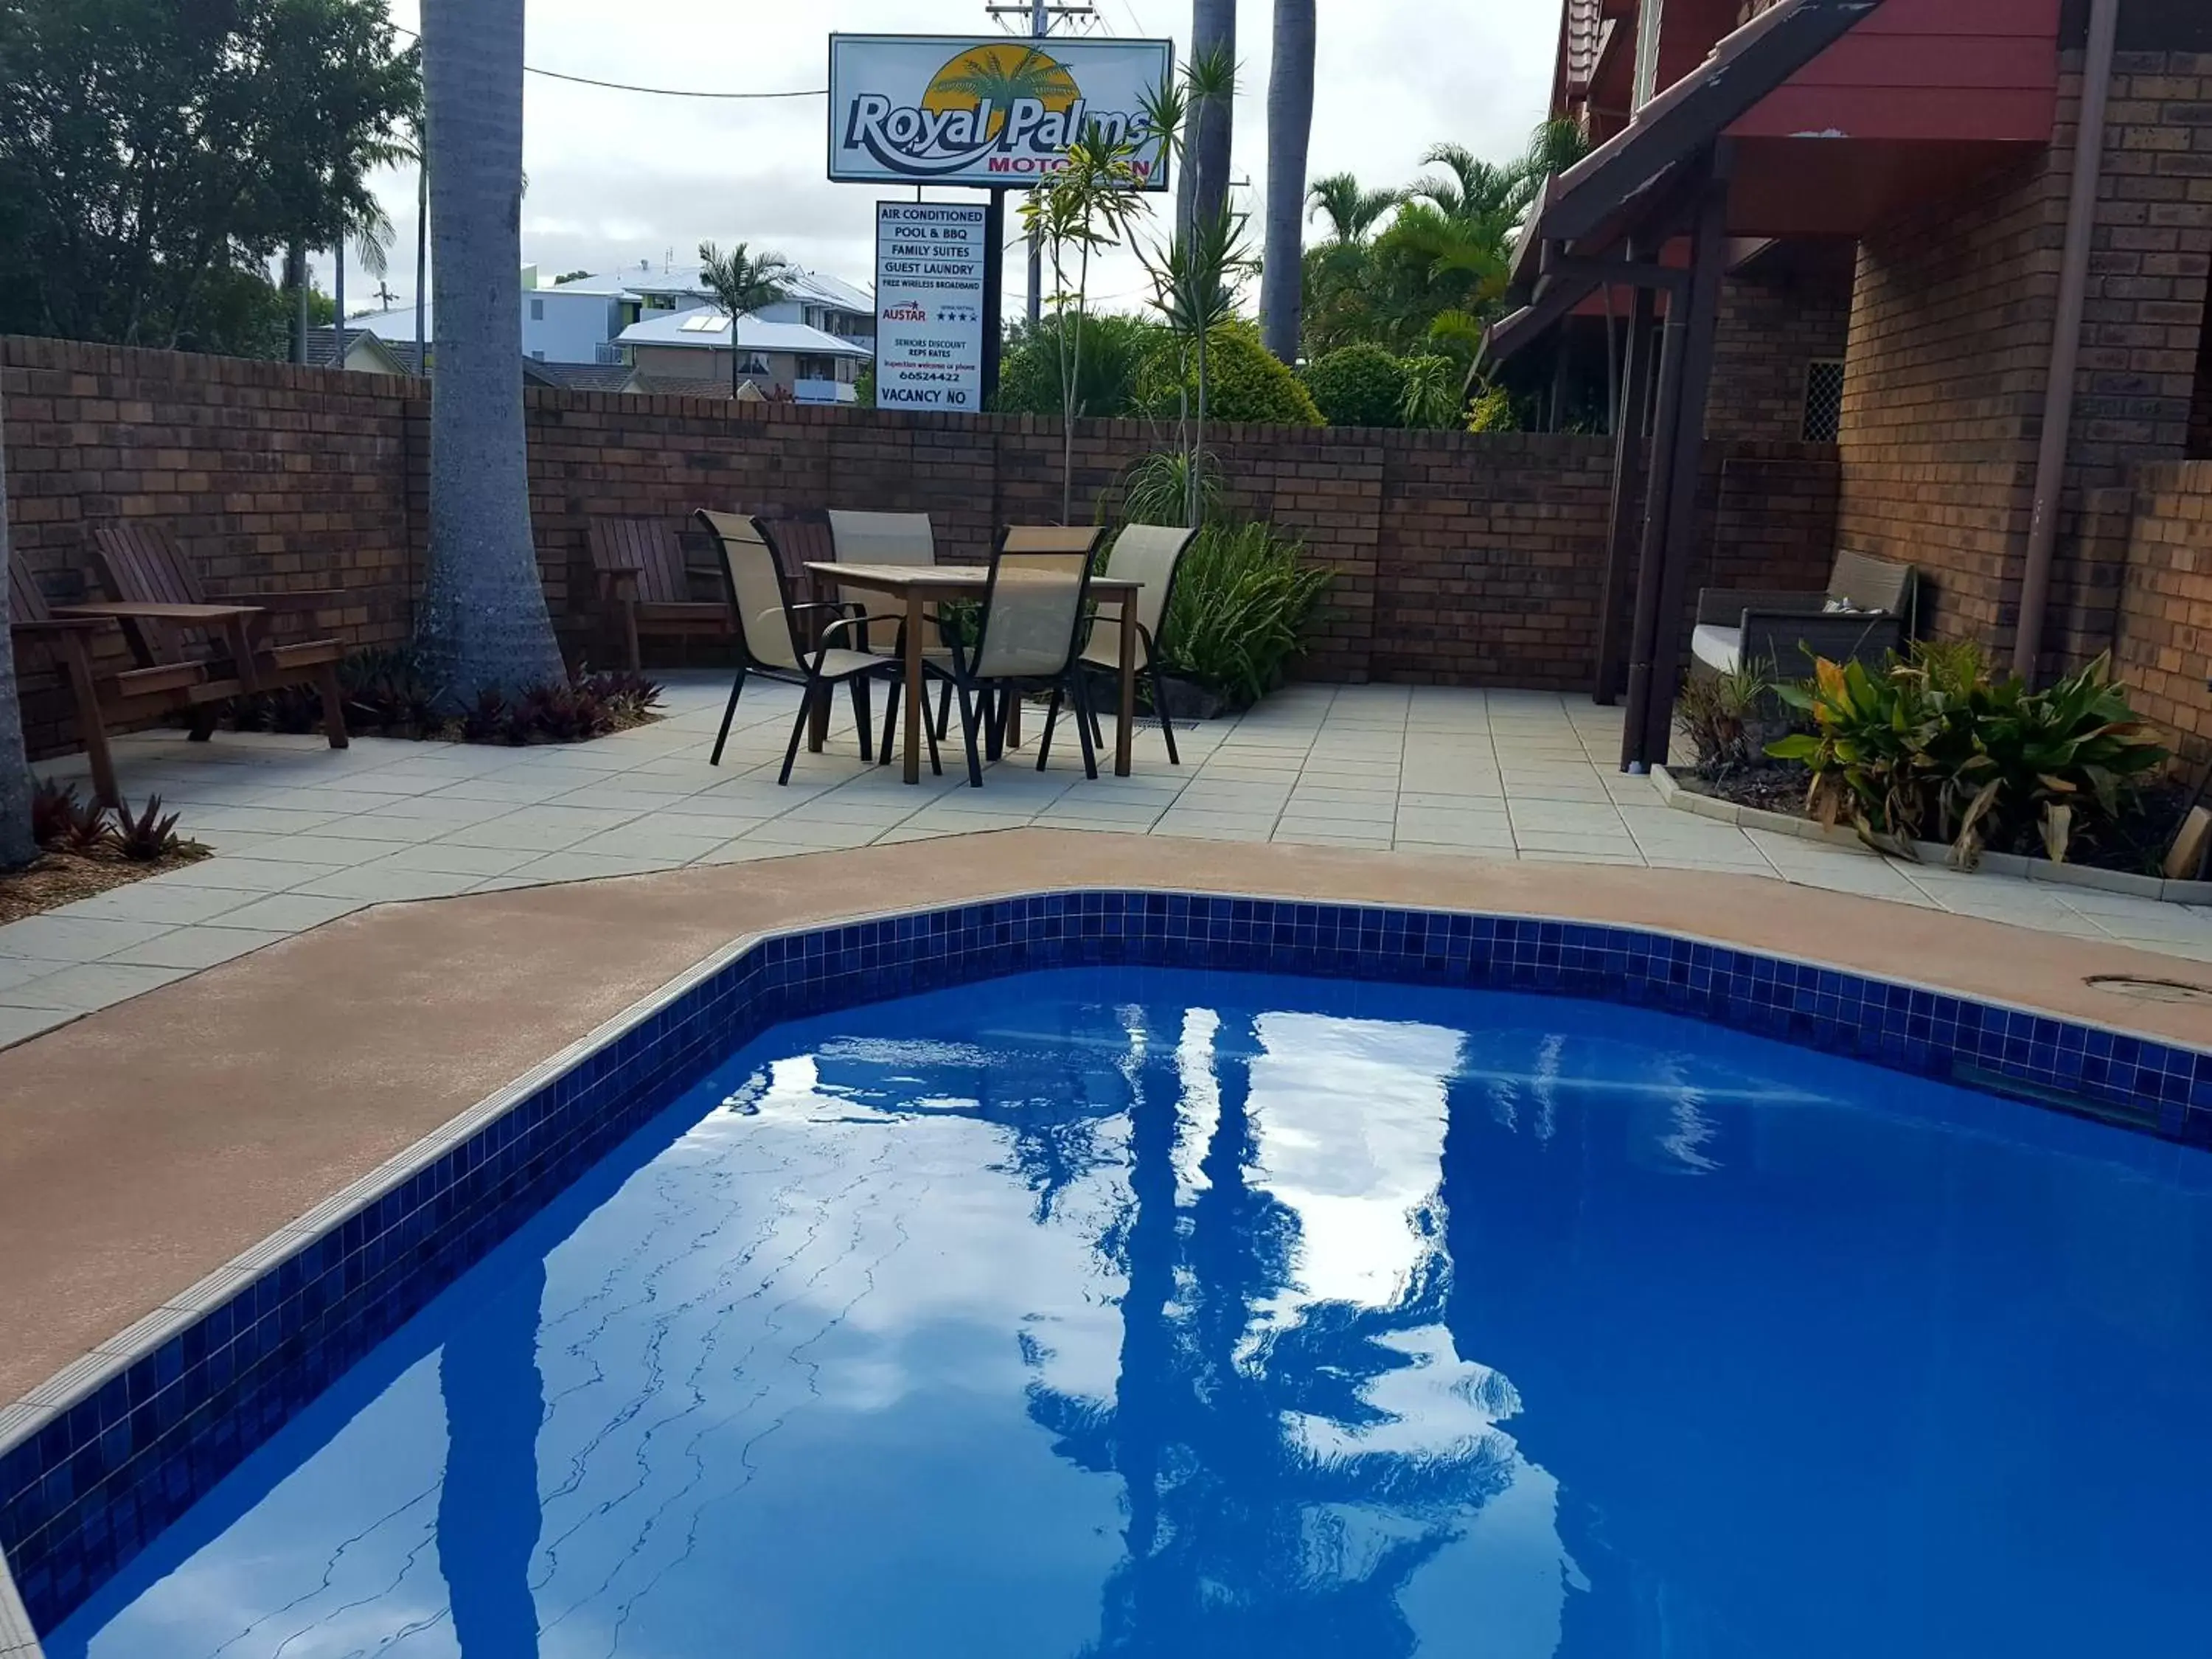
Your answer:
<point x="1911" y="165"/>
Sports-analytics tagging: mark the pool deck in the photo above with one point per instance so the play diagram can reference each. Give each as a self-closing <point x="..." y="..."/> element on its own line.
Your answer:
<point x="144" y="1146"/>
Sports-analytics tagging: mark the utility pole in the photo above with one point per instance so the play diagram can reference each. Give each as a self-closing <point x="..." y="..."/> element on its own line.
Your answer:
<point x="1040" y="15"/>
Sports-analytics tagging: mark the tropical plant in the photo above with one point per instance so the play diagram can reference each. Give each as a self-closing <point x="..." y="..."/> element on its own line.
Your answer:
<point x="1289" y="125"/>
<point x="1350" y="209"/>
<point x="483" y="620"/>
<point x="86" y="828"/>
<point x="154" y="156"/>
<point x="1722" y="716"/>
<point x="1436" y="390"/>
<point x="1158" y="489"/>
<point x="19" y="841"/>
<point x="1193" y="288"/>
<point x="1209" y="80"/>
<point x="1491" y="409"/>
<point x="1086" y="205"/>
<point x="1932" y="746"/>
<point x="742" y="282"/>
<point x="1116" y="350"/>
<point x="1359" y="384"/>
<point x="54" y="806"/>
<point x="1243" y="600"/>
<point x="148" y="835"/>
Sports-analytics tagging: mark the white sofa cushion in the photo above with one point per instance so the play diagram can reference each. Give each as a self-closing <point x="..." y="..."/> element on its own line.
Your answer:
<point x="1716" y="647"/>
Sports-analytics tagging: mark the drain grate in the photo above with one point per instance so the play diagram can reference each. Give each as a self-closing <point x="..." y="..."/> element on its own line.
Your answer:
<point x="2150" y="990"/>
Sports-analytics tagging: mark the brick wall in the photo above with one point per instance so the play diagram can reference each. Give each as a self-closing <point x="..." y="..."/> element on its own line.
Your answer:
<point x="1950" y="339"/>
<point x="1787" y="309"/>
<point x="1459" y="559"/>
<point x="2164" y="649"/>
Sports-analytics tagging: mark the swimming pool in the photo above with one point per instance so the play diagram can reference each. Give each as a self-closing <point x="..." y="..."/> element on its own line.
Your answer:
<point x="1143" y="1312"/>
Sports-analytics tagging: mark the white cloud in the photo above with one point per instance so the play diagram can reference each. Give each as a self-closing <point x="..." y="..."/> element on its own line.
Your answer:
<point x="618" y="177"/>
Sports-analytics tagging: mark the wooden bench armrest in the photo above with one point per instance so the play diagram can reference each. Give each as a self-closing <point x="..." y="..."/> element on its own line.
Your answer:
<point x="50" y="627"/>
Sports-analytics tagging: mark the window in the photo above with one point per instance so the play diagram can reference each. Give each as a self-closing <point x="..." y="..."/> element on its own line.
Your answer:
<point x="539" y="356"/>
<point x="1824" y="400"/>
<point x="538" y="311"/>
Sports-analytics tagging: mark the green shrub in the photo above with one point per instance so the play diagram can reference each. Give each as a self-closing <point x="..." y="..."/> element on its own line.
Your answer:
<point x="1245" y="381"/>
<point x="1935" y="747"/>
<point x="1116" y="349"/>
<point x="1242" y="602"/>
<point x="1434" y="391"/>
<point x="1358" y="386"/>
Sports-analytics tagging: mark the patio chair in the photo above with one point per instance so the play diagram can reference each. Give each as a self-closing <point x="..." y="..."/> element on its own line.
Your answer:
<point x="107" y="697"/>
<point x="889" y="539"/>
<point x="1026" y="637"/>
<point x="768" y="636"/>
<point x="1150" y="554"/>
<point x="645" y="585"/>
<point x="1866" y="612"/>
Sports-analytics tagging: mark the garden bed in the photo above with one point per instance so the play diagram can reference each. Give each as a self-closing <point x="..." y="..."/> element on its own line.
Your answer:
<point x="59" y="877"/>
<point x="1735" y="800"/>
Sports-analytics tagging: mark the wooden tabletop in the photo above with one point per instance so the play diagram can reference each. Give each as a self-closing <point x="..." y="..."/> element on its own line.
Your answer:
<point x="955" y="579"/>
<point x="153" y="612"/>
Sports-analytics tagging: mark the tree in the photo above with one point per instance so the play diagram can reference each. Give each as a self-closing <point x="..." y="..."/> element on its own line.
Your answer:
<point x="151" y="152"/>
<point x="16" y="845"/>
<point x="1088" y="203"/>
<point x="1351" y="210"/>
<point x="742" y="282"/>
<point x="483" y="624"/>
<point x="1289" y="125"/>
<point x="1211" y="78"/>
<point x="1193" y="288"/>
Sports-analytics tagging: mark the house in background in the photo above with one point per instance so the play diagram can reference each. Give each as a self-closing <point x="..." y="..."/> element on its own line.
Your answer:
<point x="364" y="353"/>
<point x="690" y="350"/>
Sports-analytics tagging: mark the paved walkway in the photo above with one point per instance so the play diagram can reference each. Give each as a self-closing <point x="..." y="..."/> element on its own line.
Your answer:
<point x="304" y="835"/>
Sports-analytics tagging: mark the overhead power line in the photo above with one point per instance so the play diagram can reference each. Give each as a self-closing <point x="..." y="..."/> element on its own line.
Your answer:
<point x="656" y="92"/>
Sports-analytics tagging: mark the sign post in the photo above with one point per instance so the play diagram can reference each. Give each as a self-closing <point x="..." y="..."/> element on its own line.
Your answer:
<point x="933" y="311"/>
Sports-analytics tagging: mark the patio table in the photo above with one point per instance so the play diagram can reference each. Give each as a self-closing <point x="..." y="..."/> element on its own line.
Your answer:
<point x="917" y="585"/>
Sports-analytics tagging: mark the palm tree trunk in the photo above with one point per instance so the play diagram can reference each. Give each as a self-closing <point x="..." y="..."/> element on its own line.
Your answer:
<point x="1212" y="27"/>
<point x="337" y="298"/>
<point x="483" y="624"/>
<point x="296" y="279"/>
<point x="422" y="245"/>
<point x="16" y="846"/>
<point x="1289" y="125"/>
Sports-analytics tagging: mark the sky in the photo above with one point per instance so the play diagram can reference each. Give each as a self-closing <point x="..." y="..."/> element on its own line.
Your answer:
<point x="618" y="177"/>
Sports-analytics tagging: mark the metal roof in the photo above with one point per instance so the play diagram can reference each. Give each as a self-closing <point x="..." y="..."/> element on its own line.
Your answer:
<point x="707" y="328"/>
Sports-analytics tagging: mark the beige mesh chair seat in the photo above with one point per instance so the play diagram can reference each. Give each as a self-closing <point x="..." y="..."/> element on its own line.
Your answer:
<point x="759" y="595"/>
<point x="858" y="537"/>
<point x="1026" y="637"/>
<point x="1150" y="554"/>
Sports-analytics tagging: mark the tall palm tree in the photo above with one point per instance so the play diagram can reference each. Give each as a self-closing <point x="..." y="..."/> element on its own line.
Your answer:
<point x="16" y="845"/>
<point x="1473" y="188"/>
<point x="483" y="624"/>
<point x="1211" y="74"/>
<point x="1289" y="125"/>
<point x="743" y="282"/>
<point x="1351" y="210"/>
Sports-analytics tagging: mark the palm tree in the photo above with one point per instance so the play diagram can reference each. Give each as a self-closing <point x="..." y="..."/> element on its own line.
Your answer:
<point x="1474" y="189"/>
<point x="1211" y="75"/>
<point x="743" y="282"/>
<point x="987" y="74"/>
<point x="483" y="624"/>
<point x="16" y="845"/>
<point x="1289" y="125"/>
<point x="1352" y="210"/>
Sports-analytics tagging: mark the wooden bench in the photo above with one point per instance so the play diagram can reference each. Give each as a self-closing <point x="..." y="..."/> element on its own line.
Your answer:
<point x="645" y="586"/>
<point x="105" y="697"/>
<point x="169" y="619"/>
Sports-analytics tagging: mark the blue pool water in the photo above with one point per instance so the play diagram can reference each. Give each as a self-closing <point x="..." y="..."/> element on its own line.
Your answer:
<point x="1146" y="1313"/>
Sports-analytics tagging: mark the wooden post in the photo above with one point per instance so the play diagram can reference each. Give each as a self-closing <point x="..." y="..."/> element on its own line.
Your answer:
<point x="1708" y="265"/>
<point x="1628" y="474"/>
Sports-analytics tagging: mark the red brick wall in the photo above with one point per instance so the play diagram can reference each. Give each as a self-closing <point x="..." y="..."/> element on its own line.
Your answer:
<point x="1459" y="559"/>
<point x="2164" y="649"/>
<point x="1950" y="339"/>
<point x="1789" y="306"/>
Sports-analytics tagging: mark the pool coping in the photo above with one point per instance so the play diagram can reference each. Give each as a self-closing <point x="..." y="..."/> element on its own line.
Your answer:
<point x="614" y="1042"/>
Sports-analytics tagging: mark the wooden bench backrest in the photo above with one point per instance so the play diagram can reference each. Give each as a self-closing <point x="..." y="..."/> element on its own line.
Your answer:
<point x="1872" y="584"/>
<point x="802" y="538"/>
<point x="139" y="563"/>
<point x="651" y="547"/>
<point x="26" y="603"/>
